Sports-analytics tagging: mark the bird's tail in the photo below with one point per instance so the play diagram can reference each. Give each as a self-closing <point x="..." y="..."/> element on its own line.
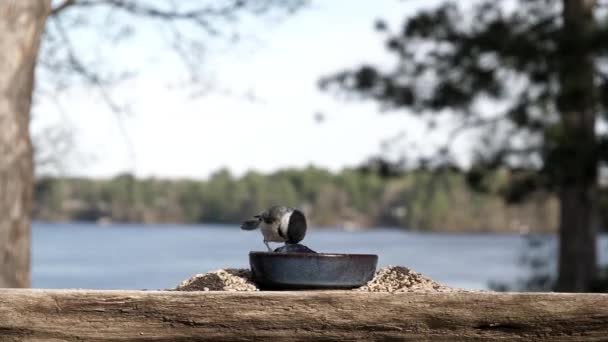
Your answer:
<point x="250" y="225"/>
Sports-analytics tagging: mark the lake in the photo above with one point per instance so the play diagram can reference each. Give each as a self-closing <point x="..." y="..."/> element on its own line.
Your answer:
<point x="135" y="256"/>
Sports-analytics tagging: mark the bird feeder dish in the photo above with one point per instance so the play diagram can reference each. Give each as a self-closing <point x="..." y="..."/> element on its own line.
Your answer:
<point x="292" y="271"/>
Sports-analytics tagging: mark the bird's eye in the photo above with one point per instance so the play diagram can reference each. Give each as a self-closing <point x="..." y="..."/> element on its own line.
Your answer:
<point x="268" y="220"/>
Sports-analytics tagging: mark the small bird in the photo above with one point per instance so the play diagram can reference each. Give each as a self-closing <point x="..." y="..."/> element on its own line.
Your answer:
<point x="279" y="224"/>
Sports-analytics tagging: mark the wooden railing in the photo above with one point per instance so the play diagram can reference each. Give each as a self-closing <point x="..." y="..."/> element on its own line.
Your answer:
<point x="86" y="315"/>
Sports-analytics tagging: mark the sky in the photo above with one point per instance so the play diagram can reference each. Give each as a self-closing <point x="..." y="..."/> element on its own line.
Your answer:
<point x="260" y="112"/>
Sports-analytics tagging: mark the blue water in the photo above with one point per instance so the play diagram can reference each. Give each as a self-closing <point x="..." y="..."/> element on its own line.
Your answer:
<point x="125" y="256"/>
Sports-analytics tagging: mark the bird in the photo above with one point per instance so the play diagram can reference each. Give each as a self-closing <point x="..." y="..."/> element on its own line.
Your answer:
<point x="279" y="224"/>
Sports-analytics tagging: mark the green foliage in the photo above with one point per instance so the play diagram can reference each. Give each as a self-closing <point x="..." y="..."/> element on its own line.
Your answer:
<point x="417" y="200"/>
<point x="509" y="73"/>
<point x="528" y="78"/>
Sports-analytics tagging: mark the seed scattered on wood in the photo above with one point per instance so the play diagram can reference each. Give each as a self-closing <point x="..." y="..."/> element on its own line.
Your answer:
<point x="402" y="279"/>
<point x="386" y="279"/>
<point x="229" y="279"/>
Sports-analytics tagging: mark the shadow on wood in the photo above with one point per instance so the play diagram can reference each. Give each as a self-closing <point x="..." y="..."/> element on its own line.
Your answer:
<point x="70" y="315"/>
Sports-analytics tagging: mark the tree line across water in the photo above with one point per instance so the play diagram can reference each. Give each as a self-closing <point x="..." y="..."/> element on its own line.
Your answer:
<point x="417" y="200"/>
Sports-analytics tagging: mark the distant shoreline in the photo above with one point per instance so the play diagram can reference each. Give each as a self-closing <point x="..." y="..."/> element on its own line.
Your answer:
<point x="207" y="225"/>
<point x="351" y="198"/>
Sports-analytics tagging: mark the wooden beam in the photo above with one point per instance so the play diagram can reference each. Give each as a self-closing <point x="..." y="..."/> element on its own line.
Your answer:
<point x="71" y="315"/>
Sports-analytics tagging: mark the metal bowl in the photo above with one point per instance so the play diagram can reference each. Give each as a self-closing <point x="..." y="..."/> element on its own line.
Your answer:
<point x="284" y="271"/>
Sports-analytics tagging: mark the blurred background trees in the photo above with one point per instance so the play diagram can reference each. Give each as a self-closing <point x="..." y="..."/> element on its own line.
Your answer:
<point x="526" y="80"/>
<point x="522" y="82"/>
<point x="352" y="199"/>
<point x="38" y="35"/>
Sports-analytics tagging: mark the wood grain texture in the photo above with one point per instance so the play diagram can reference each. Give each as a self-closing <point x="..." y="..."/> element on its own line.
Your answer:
<point x="70" y="315"/>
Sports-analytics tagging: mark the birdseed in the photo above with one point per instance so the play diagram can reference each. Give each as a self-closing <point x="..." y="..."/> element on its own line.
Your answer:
<point x="402" y="279"/>
<point x="392" y="279"/>
<point x="229" y="279"/>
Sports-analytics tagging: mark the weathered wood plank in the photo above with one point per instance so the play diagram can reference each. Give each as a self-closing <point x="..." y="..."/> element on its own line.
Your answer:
<point x="70" y="315"/>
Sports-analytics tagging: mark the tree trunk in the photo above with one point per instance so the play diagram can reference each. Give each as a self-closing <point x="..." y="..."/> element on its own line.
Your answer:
<point x="21" y="25"/>
<point x="577" y="150"/>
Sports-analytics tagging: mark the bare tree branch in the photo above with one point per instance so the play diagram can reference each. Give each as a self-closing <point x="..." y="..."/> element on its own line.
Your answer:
<point x="100" y="85"/>
<point x="61" y="7"/>
<point x="65" y="60"/>
<point x="477" y="122"/>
